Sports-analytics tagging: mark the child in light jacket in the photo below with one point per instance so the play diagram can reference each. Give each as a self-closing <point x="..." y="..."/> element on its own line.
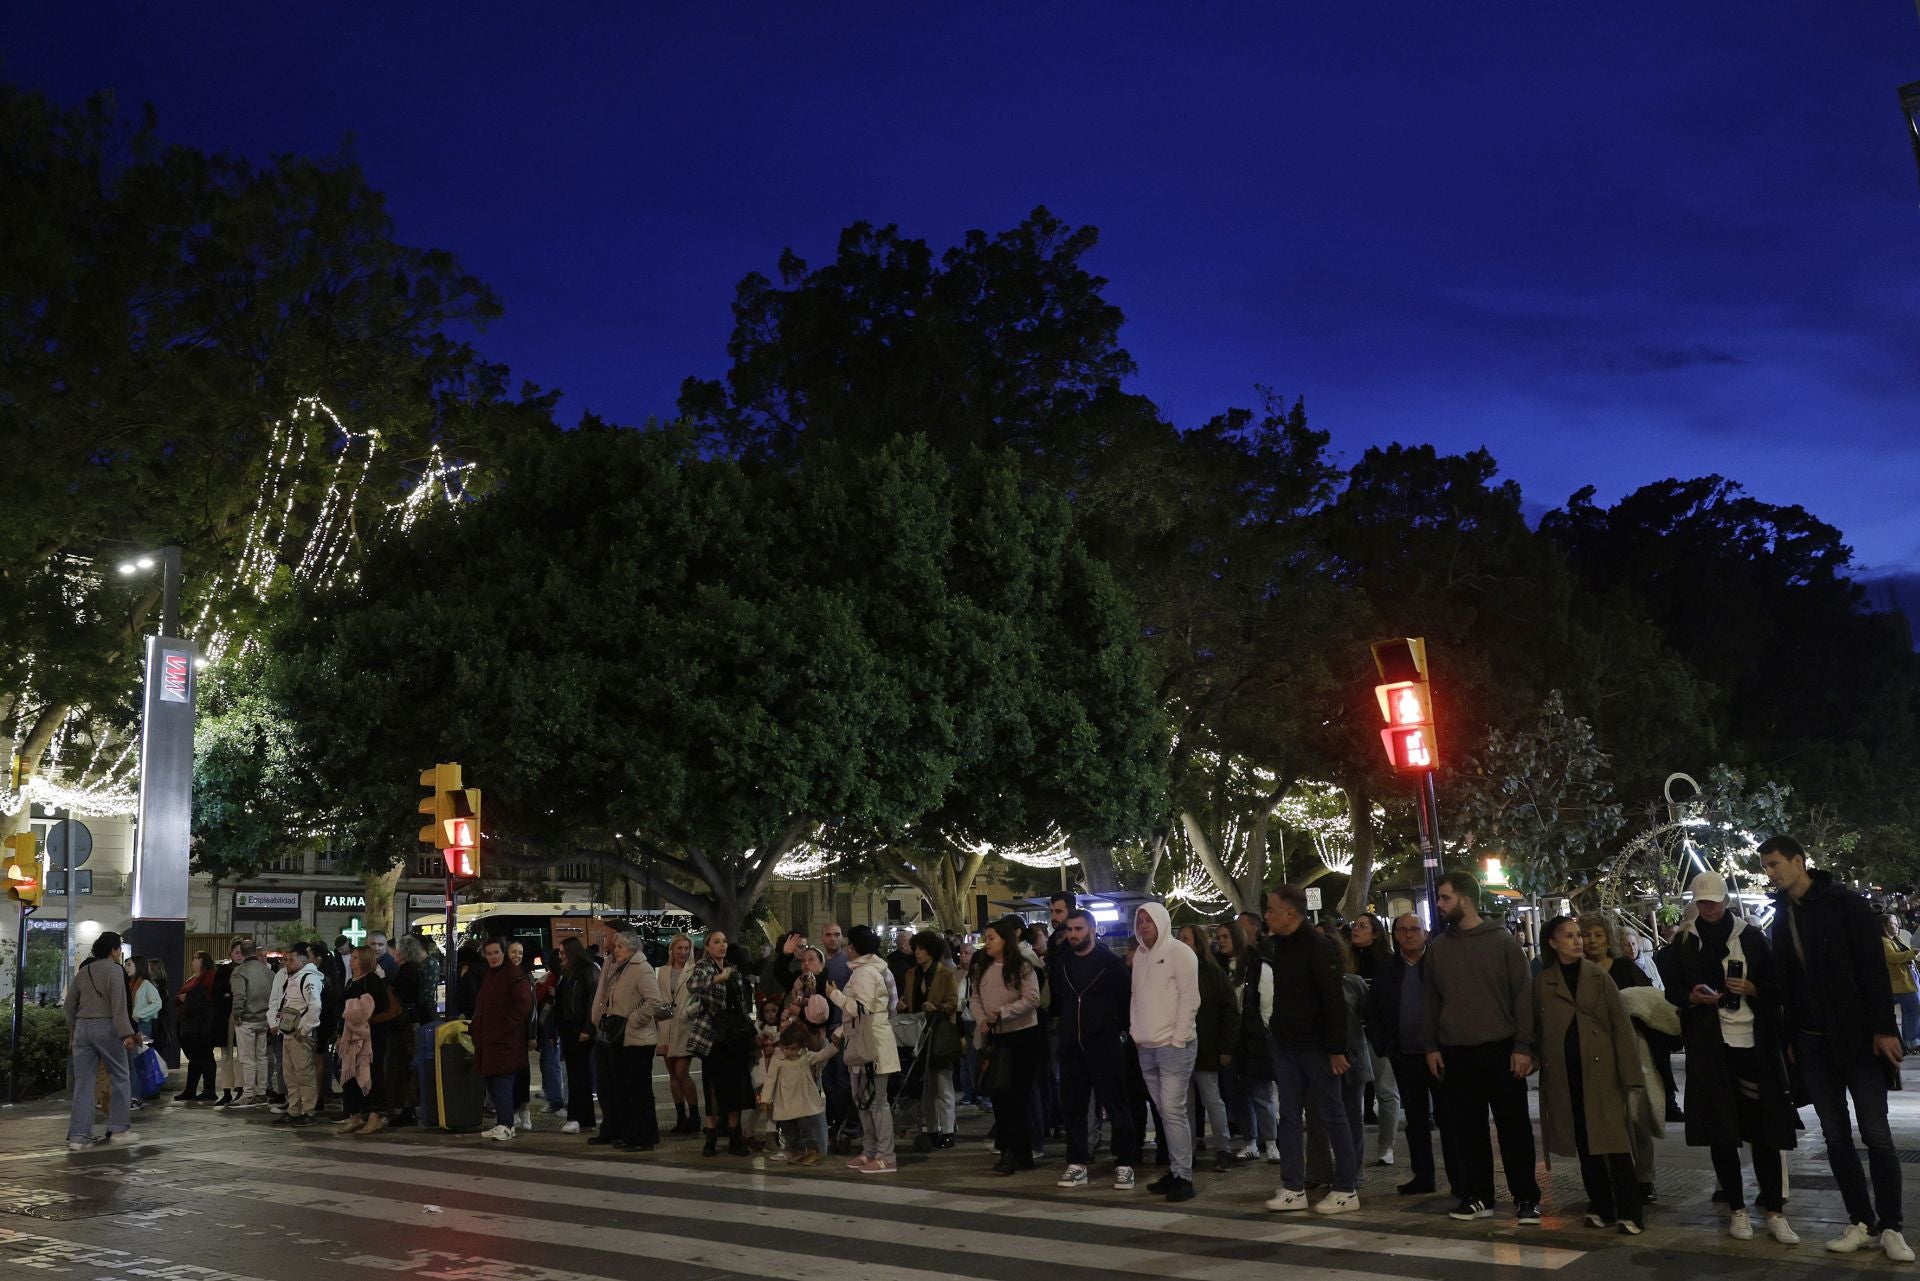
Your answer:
<point x="791" y="1095"/>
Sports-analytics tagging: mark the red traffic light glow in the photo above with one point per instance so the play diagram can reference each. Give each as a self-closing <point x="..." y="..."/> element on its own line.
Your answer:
<point x="1409" y="708"/>
<point x="1410" y="747"/>
<point x="460" y="832"/>
<point x="460" y="862"/>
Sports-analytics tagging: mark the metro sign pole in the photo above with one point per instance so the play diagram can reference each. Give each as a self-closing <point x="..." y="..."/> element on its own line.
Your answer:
<point x="1406" y="704"/>
<point x="166" y="785"/>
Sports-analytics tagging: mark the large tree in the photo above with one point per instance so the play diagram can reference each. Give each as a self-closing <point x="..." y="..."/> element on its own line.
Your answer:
<point x="161" y="309"/>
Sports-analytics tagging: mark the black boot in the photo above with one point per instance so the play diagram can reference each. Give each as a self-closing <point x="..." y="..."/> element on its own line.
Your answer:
<point x="713" y="1143"/>
<point x="737" y="1143"/>
<point x="679" y="1116"/>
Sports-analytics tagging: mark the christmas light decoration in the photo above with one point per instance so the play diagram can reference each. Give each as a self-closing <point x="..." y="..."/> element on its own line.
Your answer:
<point x="273" y="541"/>
<point x="1054" y="850"/>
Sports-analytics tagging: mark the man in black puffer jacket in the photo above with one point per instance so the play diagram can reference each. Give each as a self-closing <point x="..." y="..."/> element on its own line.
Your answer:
<point x="1092" y="1000"/>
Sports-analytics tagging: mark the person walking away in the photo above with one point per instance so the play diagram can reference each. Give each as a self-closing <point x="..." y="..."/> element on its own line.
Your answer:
<point x="866" y="1033"/>
<point x="298" y="1023"/>
<point x="1093" y="1001"/>
<point x="1354" y="1083"/>
<point x="574" y="1028"/>
<point x="1479" y="1015"/>
<point x="1737" y="1084"/>
<point x="1589" y="1070"/>
<point x="1841" y="1035"/>
<point x="251" y="984"/>
<point x="623" y="1009"/>
<point x="791" y="1095"/>
<point x="1397" y="1028"/>
<point x="100" y="1034"/>
<point x="1216" y="1030"/>
<point x="673" y="1037"/>
<point x="553" y="1071"/>
<point x="719" y="1003"/>
<point x="194" y="1003"/>
<point x="1248" y="1082"/>
<point x="1163" y="1016"/>
<point x="501" y="1009"/>
<point x="1005" y="1002"/>
<point x="1900" y="976"/>
<point x="1311" y="1053"/>
<point x="933" y="989"/>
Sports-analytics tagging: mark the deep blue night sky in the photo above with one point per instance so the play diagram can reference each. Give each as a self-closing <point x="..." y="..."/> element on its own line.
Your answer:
<point x="1610" y="242"/>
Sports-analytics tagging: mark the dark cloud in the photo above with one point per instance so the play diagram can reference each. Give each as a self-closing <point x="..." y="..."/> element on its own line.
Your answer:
<point x="1650" y="358"/>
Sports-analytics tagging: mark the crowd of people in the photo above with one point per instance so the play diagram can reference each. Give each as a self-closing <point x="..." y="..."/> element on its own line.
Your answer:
<point x="1272" y="1038"/>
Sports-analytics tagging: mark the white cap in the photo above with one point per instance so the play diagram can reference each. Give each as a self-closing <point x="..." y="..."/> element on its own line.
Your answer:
<point x="1710" y="887"/>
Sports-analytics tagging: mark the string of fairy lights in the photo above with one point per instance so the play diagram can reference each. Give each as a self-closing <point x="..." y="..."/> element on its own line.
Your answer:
<point x="310" y="446"/>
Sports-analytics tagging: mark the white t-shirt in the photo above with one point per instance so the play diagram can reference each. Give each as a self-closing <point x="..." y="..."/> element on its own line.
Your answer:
<point x="1736" y="1026"/>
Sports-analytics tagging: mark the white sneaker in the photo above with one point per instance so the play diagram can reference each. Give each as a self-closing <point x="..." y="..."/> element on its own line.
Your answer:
<point x="499" y="1133"/>
<point x="1286" y="1199"/>
<point x="1385" y="1157"/>
<point x="1852" y="1239"/>
<point x="571" y="1127"/>
<point x="79" y="1145"/>
<point x="1123" y="1178"/>
<point x="1337" y="1203"/>
<point x="1896" y="1246"/>
<point x="779" y="1156"/>
<point x="1251" y="1152"/>
<point x="523" y="1120"/>
<point x="1074" y="1177"/>
<point x="125" y="1136"/>
<point x="1778" y="1229"/>
<point x="278" y="1109"/>
<point x="1740" y="1226"/>
<point x="1273" y="1153"/>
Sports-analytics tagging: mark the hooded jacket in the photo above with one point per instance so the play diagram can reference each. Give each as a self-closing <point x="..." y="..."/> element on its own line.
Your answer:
<point x="1479" y="989"/>
<point x="1166" y="986"/>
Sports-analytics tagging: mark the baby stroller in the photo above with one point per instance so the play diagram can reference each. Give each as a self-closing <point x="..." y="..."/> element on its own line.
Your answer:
<point x="907" y="1089"/>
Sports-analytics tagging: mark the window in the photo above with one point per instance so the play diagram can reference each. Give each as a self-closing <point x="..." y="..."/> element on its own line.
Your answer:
<point x="429" y="867"/>
<point x="294" y="863"/>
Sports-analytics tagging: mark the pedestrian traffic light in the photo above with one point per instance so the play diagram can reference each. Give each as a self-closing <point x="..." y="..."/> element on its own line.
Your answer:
<point x="462" y="829"/>
<point x="23" y="869"/>
<point x="1406" y="704"/>
<point x="444" y="781"/>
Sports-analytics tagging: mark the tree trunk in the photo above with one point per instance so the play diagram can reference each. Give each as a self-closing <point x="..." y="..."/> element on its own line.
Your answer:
<point x="1360" y="880"/>
<point x="1096" y="863"/>
<point x="945" y="879"/>
<point x="1210" y="859"/>
<point x="380" y="887"/>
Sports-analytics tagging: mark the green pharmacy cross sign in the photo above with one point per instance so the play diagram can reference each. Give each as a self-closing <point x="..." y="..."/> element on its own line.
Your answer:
<point x="355" y="933"/>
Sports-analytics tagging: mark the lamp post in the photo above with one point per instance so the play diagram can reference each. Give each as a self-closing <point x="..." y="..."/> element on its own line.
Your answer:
<point x="166" y="776"/>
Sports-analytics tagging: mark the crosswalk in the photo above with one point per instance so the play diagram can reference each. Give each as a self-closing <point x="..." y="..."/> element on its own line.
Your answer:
<point x="592" y="1218"/>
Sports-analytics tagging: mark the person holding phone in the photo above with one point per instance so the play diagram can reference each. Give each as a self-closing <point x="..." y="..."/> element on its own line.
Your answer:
<point x="1722" y="978"/>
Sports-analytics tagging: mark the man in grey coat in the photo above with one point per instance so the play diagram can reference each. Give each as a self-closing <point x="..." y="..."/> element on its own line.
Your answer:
<point x="252" y="985"/>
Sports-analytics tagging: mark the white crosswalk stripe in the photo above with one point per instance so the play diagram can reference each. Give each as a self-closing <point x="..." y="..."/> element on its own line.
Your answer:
<point x="633" y="1187"/>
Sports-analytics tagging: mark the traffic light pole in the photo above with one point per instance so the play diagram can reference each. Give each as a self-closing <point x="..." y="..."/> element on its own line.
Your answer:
<point x="451" y="967"/>
<point x="19" y="999"/>
<point x="1430" y="839"/>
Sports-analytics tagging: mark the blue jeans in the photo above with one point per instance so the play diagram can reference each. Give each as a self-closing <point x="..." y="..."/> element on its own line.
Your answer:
<point x="500" y="1091"/>
<point x="1297" y="1076"/>
<point x="1168" y="1070"/>
<point x="805" y="1132"/>
<point x="553" y="1074"/>
<point x="1829" y="1084"/>
<point x="1249" y="1103"/>
<point x="1908" y="1004"/>
<point x="95" y="1046"/>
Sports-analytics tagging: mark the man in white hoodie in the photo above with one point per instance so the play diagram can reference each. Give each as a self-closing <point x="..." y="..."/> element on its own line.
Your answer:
<point x="1166" y="1004"/>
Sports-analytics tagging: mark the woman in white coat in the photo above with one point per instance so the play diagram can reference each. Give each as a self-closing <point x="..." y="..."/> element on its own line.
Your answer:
<point x="866" y="1031"/>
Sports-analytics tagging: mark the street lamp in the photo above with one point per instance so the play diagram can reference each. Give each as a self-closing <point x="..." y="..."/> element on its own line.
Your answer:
<point x="166" y="775"/>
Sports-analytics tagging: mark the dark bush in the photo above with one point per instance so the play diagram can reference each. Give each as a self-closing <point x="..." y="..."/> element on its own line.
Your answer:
<point x="43" y="1051"/>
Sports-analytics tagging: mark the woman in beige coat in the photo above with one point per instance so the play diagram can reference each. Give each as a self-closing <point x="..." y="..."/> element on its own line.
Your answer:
<point x="1589" y="1062"/>
<point x="674" y="1026"/>
<point x="628" y="991"/>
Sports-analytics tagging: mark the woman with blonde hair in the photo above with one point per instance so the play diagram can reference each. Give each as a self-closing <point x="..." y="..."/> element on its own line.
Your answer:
<point x="674" y="1029"/>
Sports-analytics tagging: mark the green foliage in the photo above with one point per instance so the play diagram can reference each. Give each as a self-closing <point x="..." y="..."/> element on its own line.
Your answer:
<point x="43" y="1052"/>
<point x="1539" y="798"/>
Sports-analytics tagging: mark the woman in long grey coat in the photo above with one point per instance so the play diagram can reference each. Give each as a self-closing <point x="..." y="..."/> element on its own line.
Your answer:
<point x="1589" y="1062"/>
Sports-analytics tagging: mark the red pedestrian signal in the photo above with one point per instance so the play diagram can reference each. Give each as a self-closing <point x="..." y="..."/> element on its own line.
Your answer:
<point x="1406" y="704"/>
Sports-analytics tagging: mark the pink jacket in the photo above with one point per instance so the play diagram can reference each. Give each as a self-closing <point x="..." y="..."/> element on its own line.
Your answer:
<point x="355" y="1046"/>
